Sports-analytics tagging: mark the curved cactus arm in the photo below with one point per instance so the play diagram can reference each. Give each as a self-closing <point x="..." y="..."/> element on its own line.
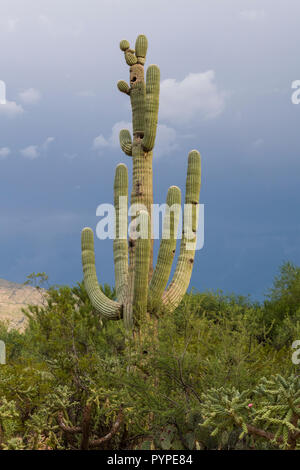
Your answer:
<point x="121" y="222"/>
<point x="103" y="305"/>
<point x="130" y="57"/>
<point x="142" y="258"/>
<point x="129" y="54"/>
<point x="141" y="46"/>
<point x="123" y="87"/>
<point x="167" y="248"/>
<point x="181" y="279"/>
<point x="151" y="106"/>
<point x="126" y="142"/>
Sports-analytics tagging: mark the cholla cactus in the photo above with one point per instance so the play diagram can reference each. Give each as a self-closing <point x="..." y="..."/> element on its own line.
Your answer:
<point x="276" y="411"/>
<point x="139" y="288"/>
<point x="8" y="412"/>
<point x="279" y="409"/>
<point x="225" y="408"/>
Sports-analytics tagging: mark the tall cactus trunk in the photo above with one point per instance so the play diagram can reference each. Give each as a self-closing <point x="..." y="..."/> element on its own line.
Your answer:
<point x="142" y="188"/>
<point x="140" y="289"/>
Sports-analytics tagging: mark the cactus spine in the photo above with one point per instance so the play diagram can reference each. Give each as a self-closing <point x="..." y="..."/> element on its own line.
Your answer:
<point x="139" y="289"/>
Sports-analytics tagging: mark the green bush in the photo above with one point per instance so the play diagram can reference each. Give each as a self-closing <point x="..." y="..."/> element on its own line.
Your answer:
<point x="73" y="381"/>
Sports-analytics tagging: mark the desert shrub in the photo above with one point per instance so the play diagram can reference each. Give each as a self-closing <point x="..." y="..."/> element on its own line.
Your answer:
<point x="282" y="306"/>
<point x="270" y="413"/>
<point x="71" y="378"/>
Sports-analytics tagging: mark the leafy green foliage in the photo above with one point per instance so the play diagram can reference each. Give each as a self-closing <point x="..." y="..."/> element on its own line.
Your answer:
<point x="281" y="312"/>
<point x="74" y="381"/>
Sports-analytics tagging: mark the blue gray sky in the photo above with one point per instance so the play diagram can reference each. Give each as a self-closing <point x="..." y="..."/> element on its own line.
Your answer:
<point x="226" y="74"/>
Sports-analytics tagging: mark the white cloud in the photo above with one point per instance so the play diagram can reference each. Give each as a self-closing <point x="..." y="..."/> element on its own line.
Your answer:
<point x="11" y="109"/>
<point x="30" y="96"/>
<point x="99" y="142"/>
<point x="31" y="152"/>
<point x="252" y="15"/>
<point x="4" y="152"/>
<point x="165" y="139"/>
<point x="194" y="98"/>
<point x="34" y="151"/>
<point x="113" y="140"/>
<point x="9" y="24"/>
<point x="47" y="142"/>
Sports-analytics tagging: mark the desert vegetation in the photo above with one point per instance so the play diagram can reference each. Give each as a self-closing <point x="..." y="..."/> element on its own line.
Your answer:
<point x="217" y="373"/>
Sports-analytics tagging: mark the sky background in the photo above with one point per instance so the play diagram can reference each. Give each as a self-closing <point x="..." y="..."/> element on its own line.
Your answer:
<point x="226" y="74"/>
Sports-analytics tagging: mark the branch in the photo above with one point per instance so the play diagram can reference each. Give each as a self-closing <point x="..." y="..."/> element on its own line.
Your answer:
<point x="86" y="420"/>
<point x="259" y="432"/>
<point x="113" y="431"/>
<point x="64" y="427"/>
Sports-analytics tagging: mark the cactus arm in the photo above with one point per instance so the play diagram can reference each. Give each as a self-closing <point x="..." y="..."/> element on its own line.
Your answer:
<point x="126" y="142"/>
<point x="120" y="242"/>
<point x="123" y="87"/>
<point x="129" y="54"/>
<point x="181" y="279"/>
<point x="166" y="250"/>
<point x="137" y="90"/>
<point x="142" y="256"/>
<point x="103" y="305"/>
<point x="130" y="57"/>
<point x="124" y="45"/>
<point x="151" y="106"/>
<point x="141" y="46"/>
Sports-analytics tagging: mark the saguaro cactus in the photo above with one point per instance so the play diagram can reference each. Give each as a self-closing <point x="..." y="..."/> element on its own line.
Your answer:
<point x="140" y="289"/>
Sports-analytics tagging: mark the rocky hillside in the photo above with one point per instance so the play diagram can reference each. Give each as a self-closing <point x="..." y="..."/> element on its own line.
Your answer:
<point x="13" y="297"/>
